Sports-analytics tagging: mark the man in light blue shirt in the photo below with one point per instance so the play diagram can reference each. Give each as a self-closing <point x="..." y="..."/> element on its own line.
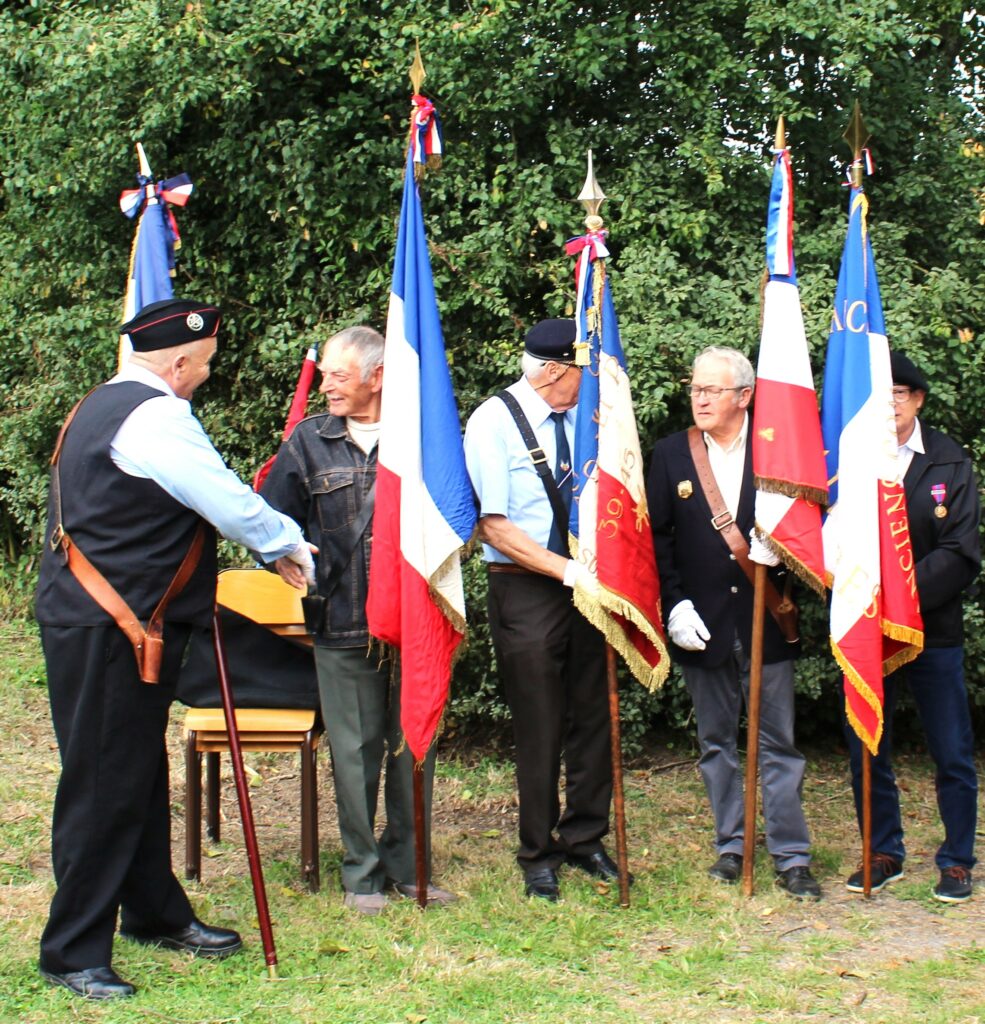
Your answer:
<point x="138" y="492"/>
<point x="551" y="660"/>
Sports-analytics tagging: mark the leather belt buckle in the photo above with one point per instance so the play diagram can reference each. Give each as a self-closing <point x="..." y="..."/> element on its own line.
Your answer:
<point x="538" y="456"/>
<point x="722" y="521"/>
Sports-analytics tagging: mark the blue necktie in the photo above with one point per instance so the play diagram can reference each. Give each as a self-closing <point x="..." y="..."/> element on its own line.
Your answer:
<point x="563" y="477"/>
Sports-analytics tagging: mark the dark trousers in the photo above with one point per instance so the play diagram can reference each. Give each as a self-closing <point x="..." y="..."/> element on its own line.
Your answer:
<point x="111" y="826"/>
<point x="936" y="680"/>
<point x="552" y="664"/>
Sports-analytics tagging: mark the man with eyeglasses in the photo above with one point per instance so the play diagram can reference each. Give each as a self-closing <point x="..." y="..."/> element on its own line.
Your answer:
<point x="518" y="448"/>
<point x="324" y="477"/>
<point x="700" y="485"/>
<point x="943" y="511"/>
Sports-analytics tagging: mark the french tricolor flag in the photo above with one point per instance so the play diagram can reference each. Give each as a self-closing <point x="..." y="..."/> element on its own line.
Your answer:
<point x="787" y="448"/>
<point x="875" y="612"/>
<point x="425" y="513"/>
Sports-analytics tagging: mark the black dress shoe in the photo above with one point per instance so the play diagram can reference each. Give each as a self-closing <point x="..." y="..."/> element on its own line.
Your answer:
<point x="799" y="882"/>
<point x="542" y="882"/>
<point x="727" y="868"/>
<point x="196" y="938"/>
<point x="598" y="864"/>
<point x="92" y="983"/>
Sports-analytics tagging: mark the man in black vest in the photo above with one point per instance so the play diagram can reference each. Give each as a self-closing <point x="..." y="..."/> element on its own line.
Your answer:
<point x="550" y="658"/>
<point x="943" y="511"/>
<point x="707" y="599"/>
<point x="137" y="495"/>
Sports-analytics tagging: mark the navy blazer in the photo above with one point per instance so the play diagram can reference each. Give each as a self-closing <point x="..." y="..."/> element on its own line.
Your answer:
<point x="695" y="562"/>
<point x="946" y="548"/>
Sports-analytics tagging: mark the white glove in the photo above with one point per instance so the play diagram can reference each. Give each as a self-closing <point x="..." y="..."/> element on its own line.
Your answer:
<point x="576" y="572"/>
<point x="686" y="627"/>
<point x="301" y="557"/>
<point x="760" y="553"/>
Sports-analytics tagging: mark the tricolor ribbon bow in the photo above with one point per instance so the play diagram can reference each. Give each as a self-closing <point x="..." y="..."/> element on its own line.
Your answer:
<point x="867" y="162"/>
<point x="425" y="135"/>
<point x="591" y="246"/>
<point x="175" y="191"/>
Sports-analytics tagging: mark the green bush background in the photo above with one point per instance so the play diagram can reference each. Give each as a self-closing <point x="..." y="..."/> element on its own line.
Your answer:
<point x="290" y="117"/>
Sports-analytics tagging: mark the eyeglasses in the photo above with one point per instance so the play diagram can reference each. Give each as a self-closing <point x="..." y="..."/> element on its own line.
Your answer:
<point x="901" y="395"/>
<point x="714" y="393"/>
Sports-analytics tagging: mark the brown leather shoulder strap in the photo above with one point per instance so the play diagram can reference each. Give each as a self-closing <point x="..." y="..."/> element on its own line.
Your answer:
<point x="723" y="522"/>
<point x="148" y="645"/>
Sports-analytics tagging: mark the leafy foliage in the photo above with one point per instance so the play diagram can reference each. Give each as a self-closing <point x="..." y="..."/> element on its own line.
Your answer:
<point x="289" y="115"/>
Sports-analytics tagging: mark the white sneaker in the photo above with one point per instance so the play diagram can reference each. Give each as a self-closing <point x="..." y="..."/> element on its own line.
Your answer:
<point x="368" y="903"/>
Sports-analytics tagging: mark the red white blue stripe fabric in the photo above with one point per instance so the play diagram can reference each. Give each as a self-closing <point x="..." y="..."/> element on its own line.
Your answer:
<point x="149" y="277"/>
<point x="787" y="448"/>
<point x="425" y="513"/>
<point x="875" y="612"/>
<point x="610" y="523"/>
<point x="425" y="132"/>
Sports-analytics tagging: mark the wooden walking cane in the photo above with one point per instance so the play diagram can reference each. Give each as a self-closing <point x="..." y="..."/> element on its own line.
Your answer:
<point x="752" y="744"/>
<point x="618" y="799"/>
<point x="243" y="796"/>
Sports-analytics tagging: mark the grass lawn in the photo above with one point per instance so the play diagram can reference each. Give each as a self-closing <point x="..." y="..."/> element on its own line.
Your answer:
<point x="686" y="950"/>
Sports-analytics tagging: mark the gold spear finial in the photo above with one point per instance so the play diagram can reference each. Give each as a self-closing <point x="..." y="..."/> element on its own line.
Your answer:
<point x="856" y="135"/>
<point x="150" y="192"/>
<point x="780" y="140"/>
<point x="417" y="72"/>
<point x="591" y="197"/>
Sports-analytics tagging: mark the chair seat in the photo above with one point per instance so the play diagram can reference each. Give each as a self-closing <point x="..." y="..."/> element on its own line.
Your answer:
<point x="249" y="720"/>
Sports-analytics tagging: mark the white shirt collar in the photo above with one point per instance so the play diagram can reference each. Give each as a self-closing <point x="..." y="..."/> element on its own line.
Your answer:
<point x="915" y="441"/>
<point x="739" y="441"/>
<point x="140" y="374"/>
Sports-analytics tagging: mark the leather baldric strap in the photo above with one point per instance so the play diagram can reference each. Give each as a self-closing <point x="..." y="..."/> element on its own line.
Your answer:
<point x="544" y="471"/>
<point x="783" y="610"/>
<point x="148" y="643"/>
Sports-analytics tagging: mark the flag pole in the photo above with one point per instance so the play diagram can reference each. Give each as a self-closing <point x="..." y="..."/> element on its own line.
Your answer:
<point x="856" y="135"/>
<point x="417" y="74"/>
<point x="752" y="742"/>
<point x="243" y="796"/>
<point x="591" y="197"/>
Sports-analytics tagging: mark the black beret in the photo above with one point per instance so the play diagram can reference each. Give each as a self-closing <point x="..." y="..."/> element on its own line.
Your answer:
<point x="552" y="340"/>
<point x="905" y="373"/>
<point x="171" y="322"/>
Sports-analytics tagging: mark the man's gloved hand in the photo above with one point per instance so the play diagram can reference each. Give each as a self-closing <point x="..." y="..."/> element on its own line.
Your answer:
<point x="686" y="627"/>
<point x="759" y="552"/>
<point x="576" y="572"/>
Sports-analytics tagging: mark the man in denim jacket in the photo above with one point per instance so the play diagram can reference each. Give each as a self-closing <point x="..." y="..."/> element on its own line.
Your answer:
<point x="324" y="478"/>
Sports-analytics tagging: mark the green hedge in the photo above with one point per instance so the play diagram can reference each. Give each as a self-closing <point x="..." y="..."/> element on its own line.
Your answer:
<point x="290" y="117"/>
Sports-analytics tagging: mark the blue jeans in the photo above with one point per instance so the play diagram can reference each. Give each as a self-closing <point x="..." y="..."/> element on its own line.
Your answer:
<point x="936" y="681"/>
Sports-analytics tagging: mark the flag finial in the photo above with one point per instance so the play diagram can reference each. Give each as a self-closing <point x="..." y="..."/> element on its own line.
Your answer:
<point x="856" y="135"/>
<point x="592" y="197"/>
<point x="142" y="160"/>
<point x="417" y="72"/>
<point x="780" y="140"/>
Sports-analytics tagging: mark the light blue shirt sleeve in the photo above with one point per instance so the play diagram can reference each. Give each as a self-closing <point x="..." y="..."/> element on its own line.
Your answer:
<point x="161" y="440"/>
<point x="500" y="466"/>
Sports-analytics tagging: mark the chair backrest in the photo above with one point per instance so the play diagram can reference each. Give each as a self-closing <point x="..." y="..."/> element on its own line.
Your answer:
<point x="261" y="596"/>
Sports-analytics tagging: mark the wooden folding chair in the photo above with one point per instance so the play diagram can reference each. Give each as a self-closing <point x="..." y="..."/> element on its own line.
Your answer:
<point x="266" y="599"/>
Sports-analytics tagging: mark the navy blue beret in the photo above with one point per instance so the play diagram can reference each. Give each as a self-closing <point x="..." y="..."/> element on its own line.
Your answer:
<point x="905" y="373"/>
<point x="552" y="340"/>
<point x="171" y="322"/>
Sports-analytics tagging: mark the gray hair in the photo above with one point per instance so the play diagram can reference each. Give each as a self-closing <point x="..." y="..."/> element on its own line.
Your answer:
<point x="532" y="366"/>
<point x="367" y="342"/>
<point x="743" y="375"/>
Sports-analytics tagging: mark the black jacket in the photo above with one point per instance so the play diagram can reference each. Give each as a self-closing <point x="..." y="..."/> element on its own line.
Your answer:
<point x="694" y="561"/>
<point x="946" y="548"/>
<point x="321" y="479"/>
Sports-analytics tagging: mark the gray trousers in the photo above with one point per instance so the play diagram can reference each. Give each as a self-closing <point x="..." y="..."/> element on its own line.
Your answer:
<point x="717" y="694"/>
<point x="361" y="709"/>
